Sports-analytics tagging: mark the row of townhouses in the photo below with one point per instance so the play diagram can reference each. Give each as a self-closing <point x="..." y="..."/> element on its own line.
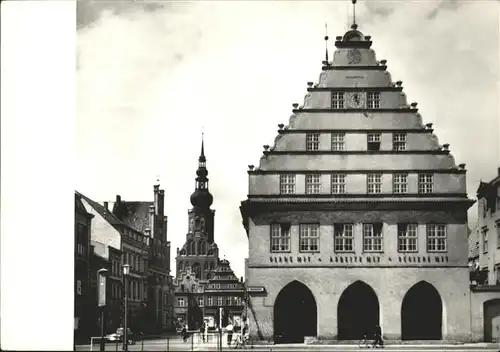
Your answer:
<point x="112" y="234"/>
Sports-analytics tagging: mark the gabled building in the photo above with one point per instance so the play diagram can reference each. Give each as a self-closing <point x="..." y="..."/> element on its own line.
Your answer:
<point x="83" y="254"/>
<point x="149" y="219"/>
<point x="357" y="215"/>
<point x="131" y="247"/>
<point x="488" y="198"/>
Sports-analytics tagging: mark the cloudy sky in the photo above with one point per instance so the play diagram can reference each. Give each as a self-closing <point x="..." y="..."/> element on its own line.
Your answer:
<point x="152" y="75"/>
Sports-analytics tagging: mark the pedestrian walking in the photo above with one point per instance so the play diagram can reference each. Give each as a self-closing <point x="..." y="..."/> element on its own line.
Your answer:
<point x="202" y="331"/>
<point x="378" y="337"/>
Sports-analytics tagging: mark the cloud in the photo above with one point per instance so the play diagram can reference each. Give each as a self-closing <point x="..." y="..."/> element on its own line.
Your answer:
<point x="89" y="11"/>
<point x="378" y="9"/>
<point x="148" y="81"/>
<point x="444" y="5"/>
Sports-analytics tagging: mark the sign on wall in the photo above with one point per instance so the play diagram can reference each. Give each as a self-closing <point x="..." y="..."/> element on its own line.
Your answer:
<point x="102" y="291"/>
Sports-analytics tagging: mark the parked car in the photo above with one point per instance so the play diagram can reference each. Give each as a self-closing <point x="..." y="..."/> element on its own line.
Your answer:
<point x="118" y="336"/>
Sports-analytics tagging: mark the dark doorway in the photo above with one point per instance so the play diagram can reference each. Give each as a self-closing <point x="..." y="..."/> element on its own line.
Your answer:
<point x="421" y="313"/>
<point x="295" y="314"/>
<point x="357" y="312"/>
<point x="491" y="312"/>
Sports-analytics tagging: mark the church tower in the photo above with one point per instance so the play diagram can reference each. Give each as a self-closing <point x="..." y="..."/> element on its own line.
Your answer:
<point x="357" y="216"/>
<point x="200" y="252"/>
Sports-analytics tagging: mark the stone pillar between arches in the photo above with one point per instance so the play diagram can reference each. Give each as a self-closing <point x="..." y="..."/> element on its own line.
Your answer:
<point x="390" y="316"/>
<point x="327" y="316"/>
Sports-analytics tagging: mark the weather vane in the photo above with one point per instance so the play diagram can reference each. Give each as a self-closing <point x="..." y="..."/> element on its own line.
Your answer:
<point x="353" y="11"/>
<point x="326" y="43"/>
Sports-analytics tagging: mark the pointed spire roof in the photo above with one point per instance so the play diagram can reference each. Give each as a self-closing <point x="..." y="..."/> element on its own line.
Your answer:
<point x="201" y="196"/>
<point x="202" y="155"/>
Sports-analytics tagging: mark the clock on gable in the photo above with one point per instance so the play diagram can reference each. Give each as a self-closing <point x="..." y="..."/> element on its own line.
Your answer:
<point x="355" y="100"/>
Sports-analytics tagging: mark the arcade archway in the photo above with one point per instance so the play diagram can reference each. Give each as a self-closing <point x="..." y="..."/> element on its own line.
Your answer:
<point x="421" y="313"/>
<point x="358" y="312"/>
<point x="491" y="312"/>
<point x="295" y="314"/>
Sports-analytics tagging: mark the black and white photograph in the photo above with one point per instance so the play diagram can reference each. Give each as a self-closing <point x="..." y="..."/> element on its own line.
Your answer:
<point x="262" y="175"/>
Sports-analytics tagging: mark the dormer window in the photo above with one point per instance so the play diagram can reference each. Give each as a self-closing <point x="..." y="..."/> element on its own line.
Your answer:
<point x="373" y="100"/>
<point x="337" y="100"/>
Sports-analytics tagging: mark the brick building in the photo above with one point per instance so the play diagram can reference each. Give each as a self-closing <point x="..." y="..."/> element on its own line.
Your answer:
<point x="357" y="215"/>
<point x="204" y="284"/>
<point x="149" y="219"/>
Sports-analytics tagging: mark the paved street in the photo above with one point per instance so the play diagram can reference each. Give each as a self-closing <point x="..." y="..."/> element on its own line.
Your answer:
<point x="176" y="344"/>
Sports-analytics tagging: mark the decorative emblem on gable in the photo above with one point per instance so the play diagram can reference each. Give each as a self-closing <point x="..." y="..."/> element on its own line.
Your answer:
<point x="353" y="56"/>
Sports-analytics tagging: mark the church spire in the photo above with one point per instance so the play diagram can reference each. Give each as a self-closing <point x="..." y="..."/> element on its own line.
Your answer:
<point x="201" y="196"/>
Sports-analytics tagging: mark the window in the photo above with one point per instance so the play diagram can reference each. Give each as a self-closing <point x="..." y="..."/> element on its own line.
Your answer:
<point x="338" y="141"/>
<point x="399" y="141"/>
<point x="309" y="237"/>
<point x="485" y="241"/>
<point x="217" y="286"/>
<point x="219" y="301"/>
<point x="181" y="302"/>
<point x="372" y="237"/>
<point x="313" y="184"/>
<point x="436" y="238"/>
<point x="338" y="183"/>
<point x="337" y="100"/>
<point x="79" y="287"/>
<point x="193" y="288"/>
<point x="373" y="100"/>
<point x="374" y="183"/>
<point x="312" y="141"/>
<point x="238" y="301"/>
<point x="200" y="302"/>
<point x="228" y="301"/>
<point x="425" y="183"/>
<point x="407" y="238"/>
<point x="400" y="183"/>
<point x="210" y="301"/>
<point x="343" y="238"/>
<point x="280" y="237"/>
<point x="373" y="141"/>
<point x="287" y="184"/>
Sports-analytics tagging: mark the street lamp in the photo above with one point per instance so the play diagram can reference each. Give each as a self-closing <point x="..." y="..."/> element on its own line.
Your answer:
<point x="126" y="271"/>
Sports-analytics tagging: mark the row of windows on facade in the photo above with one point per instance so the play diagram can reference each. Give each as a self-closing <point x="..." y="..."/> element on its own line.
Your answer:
<point x="219" y="301"/>
<point x="372" y="100"/>
<point x="485" y="233"/>
<point x="81" y="239"/>
<point x="373" y="141"/>
<point x="372" y="237"/>
<point x="136" y="261"/>
<point x="196" y="247"/>
<point x="195" y="288"/>
<point x="373" y="181"/>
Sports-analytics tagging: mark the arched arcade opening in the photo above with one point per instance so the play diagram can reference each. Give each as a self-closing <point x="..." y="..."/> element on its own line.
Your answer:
<point x="295" y="314"/>
<point x="491" y="313"/>
<point x="421" y="313"/>
<point x="358" y="312"/>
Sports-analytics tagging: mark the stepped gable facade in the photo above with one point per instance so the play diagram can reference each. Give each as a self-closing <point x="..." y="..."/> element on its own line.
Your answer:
<point x="357" y="215"/>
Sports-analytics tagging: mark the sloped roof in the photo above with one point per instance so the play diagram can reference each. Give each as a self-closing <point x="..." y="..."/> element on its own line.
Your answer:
<point x="79" y="207"/>
<point x="473" y="243"/>
<point x="106" y="214"/>
<point x="134" y="214"/>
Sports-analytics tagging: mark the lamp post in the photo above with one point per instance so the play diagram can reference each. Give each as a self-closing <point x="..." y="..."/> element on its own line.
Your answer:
<point x="126" y="271"/>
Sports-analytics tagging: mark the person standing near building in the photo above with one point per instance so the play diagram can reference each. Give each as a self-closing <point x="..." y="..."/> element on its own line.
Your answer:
<point x="202" y="331"/>
<point x="229" y="331"/>
<point x="378" y="337"/>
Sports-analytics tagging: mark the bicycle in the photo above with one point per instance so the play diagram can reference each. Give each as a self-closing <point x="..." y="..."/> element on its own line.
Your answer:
<point x="364" y="342"/>
<point x="240" y="342"/>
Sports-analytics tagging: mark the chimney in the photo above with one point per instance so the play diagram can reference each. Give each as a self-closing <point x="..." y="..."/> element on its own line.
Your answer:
<point x="498" y="171"/>
<point x="106" y="206"/>
<point x="118" y="199"/>
<point x="152" y="220"/>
